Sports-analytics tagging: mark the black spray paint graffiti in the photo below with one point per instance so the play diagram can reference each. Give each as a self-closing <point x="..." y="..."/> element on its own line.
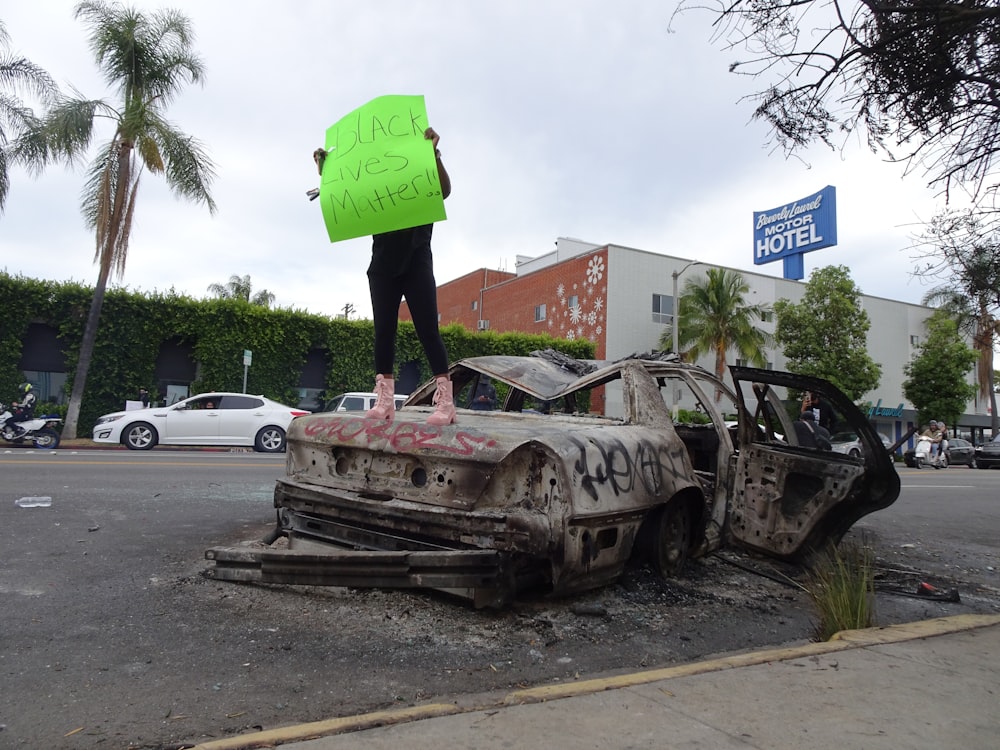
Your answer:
<point x="613" y="464"/>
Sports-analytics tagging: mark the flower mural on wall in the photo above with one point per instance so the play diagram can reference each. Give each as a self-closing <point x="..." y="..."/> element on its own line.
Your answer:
<point x="581" y="317"/>
<point x="595" y="269"/>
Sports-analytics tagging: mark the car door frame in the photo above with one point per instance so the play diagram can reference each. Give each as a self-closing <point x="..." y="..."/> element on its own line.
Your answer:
<point x="791" y="501"/>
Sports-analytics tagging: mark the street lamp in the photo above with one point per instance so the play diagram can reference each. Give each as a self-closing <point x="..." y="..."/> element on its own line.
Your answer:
<point x="674" y="324"/>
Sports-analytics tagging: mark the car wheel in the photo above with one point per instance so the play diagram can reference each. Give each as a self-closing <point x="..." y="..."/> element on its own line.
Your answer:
<point x="140" y="436"/>
<point x="668" y="538"/>
<point x="270" y="439"/>
<point x="972" y="463"/>
<point x="854" y="453"/>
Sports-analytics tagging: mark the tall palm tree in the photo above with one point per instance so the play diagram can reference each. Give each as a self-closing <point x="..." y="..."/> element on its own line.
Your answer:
<point x="17" y="75"/>
<point x="239" y="287"/>
<point x="147" y="59"/>
<point x="715" y="317"/>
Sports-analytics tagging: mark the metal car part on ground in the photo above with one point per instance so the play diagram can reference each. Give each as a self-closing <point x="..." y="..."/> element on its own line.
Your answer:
<point x="218" y="418"/>
<point x="543" y="493"/>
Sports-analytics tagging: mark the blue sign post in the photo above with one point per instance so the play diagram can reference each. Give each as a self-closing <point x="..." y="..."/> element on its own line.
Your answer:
<point x="787" y="232"/>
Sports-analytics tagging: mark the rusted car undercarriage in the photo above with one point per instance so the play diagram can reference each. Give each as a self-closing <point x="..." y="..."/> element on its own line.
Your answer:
<point x="542" y="493"/>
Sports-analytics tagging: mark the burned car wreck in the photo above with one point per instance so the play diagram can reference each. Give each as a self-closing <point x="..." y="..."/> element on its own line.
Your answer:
<point x="542" y="493"/>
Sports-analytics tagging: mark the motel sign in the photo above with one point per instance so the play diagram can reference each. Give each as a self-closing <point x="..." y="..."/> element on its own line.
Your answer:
<point x="787" y="232"/>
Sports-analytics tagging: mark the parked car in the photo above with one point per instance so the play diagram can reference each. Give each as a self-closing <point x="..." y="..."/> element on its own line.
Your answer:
<point x="850" y="443"/>
<point x="206" y="419"/>
<point x="988" y="454"/>
<point x="958" y="453"/>
<point x="358" y="401"/>
<point x="515" y="498"/>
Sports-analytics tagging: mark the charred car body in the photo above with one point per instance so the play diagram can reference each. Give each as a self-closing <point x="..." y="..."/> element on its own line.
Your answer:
<point x="540" y="492"/>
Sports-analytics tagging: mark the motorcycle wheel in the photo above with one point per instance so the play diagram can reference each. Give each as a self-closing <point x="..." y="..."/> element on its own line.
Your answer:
<point x="45" y="439"/>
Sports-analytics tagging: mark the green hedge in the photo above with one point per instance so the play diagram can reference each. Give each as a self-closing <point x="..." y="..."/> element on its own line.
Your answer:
<point x="134" y="326"/>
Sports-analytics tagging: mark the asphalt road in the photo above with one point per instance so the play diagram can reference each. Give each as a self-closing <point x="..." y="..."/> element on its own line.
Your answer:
<point x="112" y="638"/>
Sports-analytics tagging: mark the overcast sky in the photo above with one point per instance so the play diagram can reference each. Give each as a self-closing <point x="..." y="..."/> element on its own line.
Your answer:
<point x="609" y="123"/>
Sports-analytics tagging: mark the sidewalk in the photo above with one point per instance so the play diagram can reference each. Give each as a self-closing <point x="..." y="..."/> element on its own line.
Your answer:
<point x="926" y="685"/>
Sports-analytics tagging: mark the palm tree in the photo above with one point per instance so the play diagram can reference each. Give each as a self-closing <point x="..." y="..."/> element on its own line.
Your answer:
<point x="239" y="287"/>
<point x="714" y="316"/>
<point x="17" y="74"/>
<point x="147" y="59"/>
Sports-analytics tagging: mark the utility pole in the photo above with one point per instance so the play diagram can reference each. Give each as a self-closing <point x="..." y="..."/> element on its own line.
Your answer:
<point x="676" y="327"/>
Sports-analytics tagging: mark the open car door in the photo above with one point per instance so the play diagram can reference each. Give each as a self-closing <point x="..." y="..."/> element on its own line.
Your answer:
<point x="789" y="500"/>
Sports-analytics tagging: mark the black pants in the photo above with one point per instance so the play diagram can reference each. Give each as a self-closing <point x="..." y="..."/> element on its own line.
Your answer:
<point x="420" y="290"/>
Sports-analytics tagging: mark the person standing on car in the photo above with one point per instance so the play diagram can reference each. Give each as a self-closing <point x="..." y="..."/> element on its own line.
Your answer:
<point x="402" y="266"/>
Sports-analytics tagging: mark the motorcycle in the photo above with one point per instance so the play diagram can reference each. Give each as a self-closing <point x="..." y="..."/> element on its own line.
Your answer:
<point x="40" y="431"/>
<point x="922" y="454"/>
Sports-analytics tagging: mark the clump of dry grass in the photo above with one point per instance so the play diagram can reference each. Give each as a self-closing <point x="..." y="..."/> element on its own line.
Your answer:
<point x="841" y="584"/>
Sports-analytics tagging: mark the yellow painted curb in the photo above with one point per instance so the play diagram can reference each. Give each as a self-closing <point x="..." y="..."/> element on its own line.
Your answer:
<point x="316" y="729"/>
<point x="846" y="639"/>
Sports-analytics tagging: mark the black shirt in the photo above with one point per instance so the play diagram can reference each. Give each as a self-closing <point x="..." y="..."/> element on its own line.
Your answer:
<point x="393" y="252"/>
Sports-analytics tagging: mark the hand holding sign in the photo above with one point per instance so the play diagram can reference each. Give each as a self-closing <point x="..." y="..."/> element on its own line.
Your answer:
<point x="379" y="170"/>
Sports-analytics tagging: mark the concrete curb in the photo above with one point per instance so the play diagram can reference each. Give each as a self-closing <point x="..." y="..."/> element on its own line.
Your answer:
<point x="843" y="641"/>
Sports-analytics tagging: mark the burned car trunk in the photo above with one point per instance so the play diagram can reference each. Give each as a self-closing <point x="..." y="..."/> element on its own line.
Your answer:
<point x="541" y="494"/>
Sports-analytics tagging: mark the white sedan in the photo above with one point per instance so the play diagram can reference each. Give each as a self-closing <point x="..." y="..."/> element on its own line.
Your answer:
<point x="205" y="419"/>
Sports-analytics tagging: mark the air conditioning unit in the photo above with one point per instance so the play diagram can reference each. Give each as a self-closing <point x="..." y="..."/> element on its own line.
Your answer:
<point x="484" y="325"/>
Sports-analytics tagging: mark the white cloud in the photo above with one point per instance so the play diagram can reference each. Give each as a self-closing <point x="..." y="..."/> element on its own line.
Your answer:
<point x="561" y="118"/>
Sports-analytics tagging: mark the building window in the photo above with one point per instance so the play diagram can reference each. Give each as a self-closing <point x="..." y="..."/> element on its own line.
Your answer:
<point x="914" y="341"/>
<point x="573" y="301"/>
<point x="767" y="317"/>
<point x="539" y="313"/>
<point x="663" y="308"/>
<point x="475" y="304"/>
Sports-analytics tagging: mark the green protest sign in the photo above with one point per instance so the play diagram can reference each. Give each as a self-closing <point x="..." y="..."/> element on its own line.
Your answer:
<point x="380" y="173"/>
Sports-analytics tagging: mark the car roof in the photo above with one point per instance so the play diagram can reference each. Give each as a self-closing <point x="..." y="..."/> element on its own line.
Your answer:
<point x="547" y="375"/>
